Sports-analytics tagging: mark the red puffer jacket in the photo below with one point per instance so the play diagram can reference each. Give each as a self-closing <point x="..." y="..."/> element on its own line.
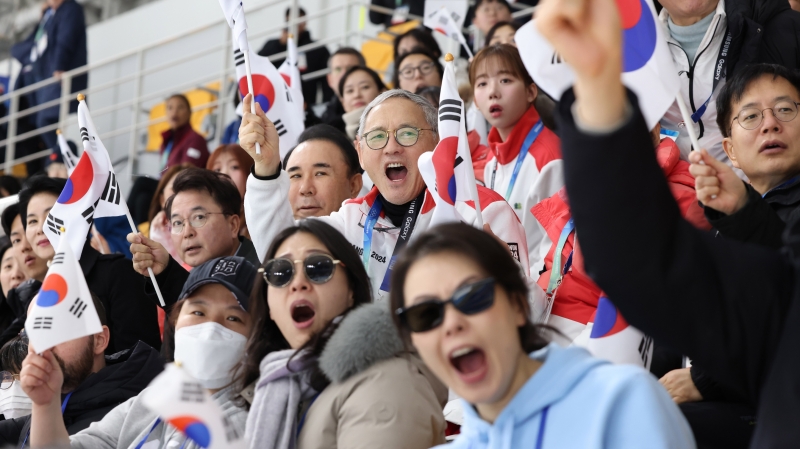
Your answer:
<point x="576" y="298"/>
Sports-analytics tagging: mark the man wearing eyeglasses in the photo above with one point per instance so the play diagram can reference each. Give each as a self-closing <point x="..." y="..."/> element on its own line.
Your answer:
<point x="204" y="224"/>
<point x="395" y="129"/>
<point x="757" y="115"/>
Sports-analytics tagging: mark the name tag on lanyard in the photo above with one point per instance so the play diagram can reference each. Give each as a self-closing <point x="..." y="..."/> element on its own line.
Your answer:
<point x="406" y="227"/>
<point x="720" y="70"/>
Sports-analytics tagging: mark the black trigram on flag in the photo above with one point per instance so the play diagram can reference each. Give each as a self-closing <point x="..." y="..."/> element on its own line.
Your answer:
<point x="55" y="224"/>
<point x="84" y="134"/>
<point x="77" y="307"/>
<point x="450" y="110"/>
<point x="43" y="322"/>
<point x="111" y="191"/>
<point x="57" y="259"/>
<point x="279" y="127"/>
<point x="644" y="348"/>
<point x="192" y="392"/>
<point x="238" y="57"/>
<point x="556" y="59"/>
<point x="231" y="434"/>
<point x="88" y="214"/>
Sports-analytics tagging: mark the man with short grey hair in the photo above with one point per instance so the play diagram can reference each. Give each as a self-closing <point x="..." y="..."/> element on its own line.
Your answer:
<point x="395" y="129"/>
<point x="709" y="40"/>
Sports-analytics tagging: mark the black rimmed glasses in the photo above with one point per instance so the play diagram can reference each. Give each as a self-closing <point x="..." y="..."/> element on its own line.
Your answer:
<point x="751" y="118"/>
<point x="469" y="300"/>
<point x="405" y="136"/>
<point x="424" y="68"/>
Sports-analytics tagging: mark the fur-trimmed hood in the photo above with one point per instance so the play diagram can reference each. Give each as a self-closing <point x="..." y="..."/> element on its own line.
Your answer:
<point x="367" y="335"/>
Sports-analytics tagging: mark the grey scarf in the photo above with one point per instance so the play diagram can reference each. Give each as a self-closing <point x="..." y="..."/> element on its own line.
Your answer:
<point x="281" y="388"/>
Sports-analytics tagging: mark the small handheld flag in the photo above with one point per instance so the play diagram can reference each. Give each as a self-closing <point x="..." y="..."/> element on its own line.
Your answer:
<point x="72" y="215"/>
<point x="272" y="94"/>
<point x="109" y="202"/>
<point x="648" y="69"/>
<point x="63" y="310"/>
<point x="70" y="159"/>
<point x="291" y="75"/>
<point x="234" y="14"/>
<point x="183" y="403"/>
<point x="447" y="171"/>
<point x="613" y="339"/>
<point x="442" y="21"/>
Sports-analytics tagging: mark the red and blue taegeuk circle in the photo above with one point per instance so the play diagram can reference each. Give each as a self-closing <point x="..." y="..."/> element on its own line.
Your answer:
<point x="194" y="428"/>
<point x="79" y="182"/>
<point x="607" y="320"/>
<point x="639" y="38"/>
<point x="264" y="92"/>
<point x="54" y="290"/>
<point x="444" y="158"/>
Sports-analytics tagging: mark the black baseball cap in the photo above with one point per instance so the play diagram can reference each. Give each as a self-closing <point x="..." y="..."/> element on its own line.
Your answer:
<point x="232" y="272"/>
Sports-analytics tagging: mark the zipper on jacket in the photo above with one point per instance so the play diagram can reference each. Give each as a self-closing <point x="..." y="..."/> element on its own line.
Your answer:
<point x="691" y="77"/>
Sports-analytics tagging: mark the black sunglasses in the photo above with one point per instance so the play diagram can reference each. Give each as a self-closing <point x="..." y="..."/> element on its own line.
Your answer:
<point x="319" y="269"/>
<point x="469" y="300"/>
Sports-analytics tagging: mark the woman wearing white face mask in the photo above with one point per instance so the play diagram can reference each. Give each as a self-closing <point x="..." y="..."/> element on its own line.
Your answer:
<point x="330" y="370"/>
<point x="211" y="323"/>
<point x="14" y="403"/>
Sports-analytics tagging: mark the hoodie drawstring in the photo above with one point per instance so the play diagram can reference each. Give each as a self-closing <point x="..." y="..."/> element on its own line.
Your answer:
<point x="540" y="438"/>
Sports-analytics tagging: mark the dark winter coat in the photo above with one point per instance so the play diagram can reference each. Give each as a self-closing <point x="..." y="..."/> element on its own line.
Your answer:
<point x="188" y="146"/>
<point x="125" y="375"/>
<point x="131" y="316"/>
<point x="316" y="59"/>
<point x="735" y="306"/>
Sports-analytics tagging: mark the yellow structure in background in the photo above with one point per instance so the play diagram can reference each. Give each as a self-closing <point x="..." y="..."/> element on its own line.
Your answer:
<point x="379" y="54"/>
<point x="197" y="97"/>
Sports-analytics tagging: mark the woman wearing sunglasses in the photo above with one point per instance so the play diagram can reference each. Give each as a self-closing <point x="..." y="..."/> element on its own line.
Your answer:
<point x="461" y="299"/>
<point x="329" y="368"/>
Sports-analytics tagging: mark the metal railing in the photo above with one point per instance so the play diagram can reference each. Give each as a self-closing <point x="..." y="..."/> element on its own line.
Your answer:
<point x="136" y="101"/>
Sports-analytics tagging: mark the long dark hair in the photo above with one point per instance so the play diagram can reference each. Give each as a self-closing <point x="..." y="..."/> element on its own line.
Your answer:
<point x="424" y="38"/>
<point x="266" y="337"/>
<point x="483" y="250"/>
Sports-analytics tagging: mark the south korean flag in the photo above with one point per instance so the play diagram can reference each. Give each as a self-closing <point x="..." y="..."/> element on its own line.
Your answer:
<point x="184" y="404"/>
<point x="274" y="96"/>
<point x="291" y="75"/>
<point x="111" y="203"/>
<point x="63" y="310"/>
<point x="70" y="158"/>
<point x="447" y="171"/>
<point x="71" y="217"/>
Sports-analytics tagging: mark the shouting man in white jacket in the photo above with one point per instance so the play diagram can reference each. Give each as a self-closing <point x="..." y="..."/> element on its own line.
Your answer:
<point x="395" y="129"/>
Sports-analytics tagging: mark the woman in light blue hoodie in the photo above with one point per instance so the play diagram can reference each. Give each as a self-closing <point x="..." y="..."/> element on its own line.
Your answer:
<point x="460" y="298"/>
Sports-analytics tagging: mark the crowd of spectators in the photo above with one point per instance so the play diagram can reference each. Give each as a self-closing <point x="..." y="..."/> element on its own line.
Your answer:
<point x="313" y="298"/>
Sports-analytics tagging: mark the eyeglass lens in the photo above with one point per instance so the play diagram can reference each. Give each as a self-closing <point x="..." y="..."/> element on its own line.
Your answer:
<point x="378" y="138"/>
<point x="469" y="300"/>
<point x="751" y="118"/>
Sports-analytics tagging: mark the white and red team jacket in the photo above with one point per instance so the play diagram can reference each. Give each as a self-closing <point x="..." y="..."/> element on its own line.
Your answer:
<point x="268" y="212"/>
<point x="540" y="177"/>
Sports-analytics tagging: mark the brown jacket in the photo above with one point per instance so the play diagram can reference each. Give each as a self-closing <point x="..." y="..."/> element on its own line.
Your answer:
<point x="379" y="397"/>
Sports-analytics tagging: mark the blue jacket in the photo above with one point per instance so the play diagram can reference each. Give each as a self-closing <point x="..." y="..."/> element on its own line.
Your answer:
<point x="577" y="401"/>
<point x="66" y="50"/>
